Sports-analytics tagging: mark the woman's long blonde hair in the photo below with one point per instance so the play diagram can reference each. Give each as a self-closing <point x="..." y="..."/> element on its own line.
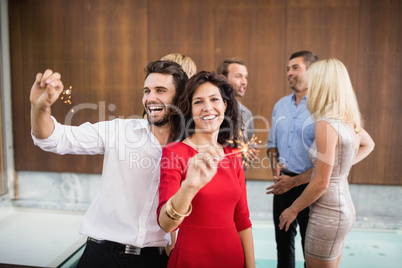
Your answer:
<point x="330" y="93"/>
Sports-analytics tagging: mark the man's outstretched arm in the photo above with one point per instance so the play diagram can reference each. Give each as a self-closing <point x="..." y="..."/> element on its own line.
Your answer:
<point x="44" y="92"/>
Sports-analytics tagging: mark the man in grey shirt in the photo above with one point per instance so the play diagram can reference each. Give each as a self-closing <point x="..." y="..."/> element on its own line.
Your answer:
<point x="235" y="71"/>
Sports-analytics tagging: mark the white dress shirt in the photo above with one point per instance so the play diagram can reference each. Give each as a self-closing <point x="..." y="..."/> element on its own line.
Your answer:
<point x="124" y="210"/>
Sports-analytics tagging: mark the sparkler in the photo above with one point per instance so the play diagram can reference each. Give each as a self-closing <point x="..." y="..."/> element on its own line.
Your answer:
<point x="243" y="147"/>
<point x="66" y="96"/>
<point x="244" y="150"/>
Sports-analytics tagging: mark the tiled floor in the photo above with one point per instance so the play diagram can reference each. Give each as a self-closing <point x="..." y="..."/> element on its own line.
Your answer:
<point x="38" y="237"/>
<point x="48" y="237"/>
<point x="366" y="248"/>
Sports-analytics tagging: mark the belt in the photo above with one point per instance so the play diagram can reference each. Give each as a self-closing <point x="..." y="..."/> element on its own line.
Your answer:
<point x="127" y="249"/>
<point x="288" y="173"/>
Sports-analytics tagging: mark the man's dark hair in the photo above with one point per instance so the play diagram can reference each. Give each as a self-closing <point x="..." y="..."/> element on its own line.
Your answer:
<point x="223" y="67"/>
<point x="308" y="57"/>
<point x="168" y="67"/>
<point x="179" y="80"/>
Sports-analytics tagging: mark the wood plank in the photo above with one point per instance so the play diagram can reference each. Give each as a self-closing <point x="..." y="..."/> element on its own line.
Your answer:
<point x="181" y="26"/>
<point x="379" y="80"/>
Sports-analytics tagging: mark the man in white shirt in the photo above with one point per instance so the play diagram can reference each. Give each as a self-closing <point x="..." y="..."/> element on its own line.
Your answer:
<point x="121" y="222"/>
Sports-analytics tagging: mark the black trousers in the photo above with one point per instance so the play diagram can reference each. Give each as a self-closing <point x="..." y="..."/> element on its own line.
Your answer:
<point x="96" y="256"/>
<point x="285" y="241"/>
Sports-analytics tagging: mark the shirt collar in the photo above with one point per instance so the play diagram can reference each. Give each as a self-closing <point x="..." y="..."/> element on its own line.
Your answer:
<point x="141" y="124"/>
<point x="144" y="124"/>
<point x="293" y="97"/>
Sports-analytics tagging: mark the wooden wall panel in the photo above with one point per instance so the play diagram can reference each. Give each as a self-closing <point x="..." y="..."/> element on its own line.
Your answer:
<point x="20" y="100"/>
<point x="326" y="27"/>
<point x="39" y="40"/>
<point x="116" y="39"/>
<point x="97" y="46"/>
<point x="101" y="47"/>
<point x="379" y="80"/>
<point x="181" y="26"/>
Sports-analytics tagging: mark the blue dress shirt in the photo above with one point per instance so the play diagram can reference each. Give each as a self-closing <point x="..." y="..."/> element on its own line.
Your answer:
<point x="292" y="133"/>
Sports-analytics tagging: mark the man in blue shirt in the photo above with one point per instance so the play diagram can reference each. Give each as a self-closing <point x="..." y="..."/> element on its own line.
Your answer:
<point x="290" y="137"/>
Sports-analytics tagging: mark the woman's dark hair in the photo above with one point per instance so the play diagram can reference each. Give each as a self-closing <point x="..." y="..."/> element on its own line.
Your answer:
<point x="230" y="127"/>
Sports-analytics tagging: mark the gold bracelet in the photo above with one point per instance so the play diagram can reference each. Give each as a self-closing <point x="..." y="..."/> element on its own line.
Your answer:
<point x="173" y="214"/>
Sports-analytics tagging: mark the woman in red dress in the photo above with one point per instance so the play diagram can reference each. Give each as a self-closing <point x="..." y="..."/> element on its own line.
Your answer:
<point x="202" y="188"/>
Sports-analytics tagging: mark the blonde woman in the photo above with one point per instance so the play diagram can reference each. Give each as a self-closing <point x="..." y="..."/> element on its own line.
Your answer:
<point x="340" y="143"/>
<point x="185" y="62"/>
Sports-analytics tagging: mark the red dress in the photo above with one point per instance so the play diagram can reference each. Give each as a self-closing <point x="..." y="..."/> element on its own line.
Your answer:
<point x="209" y="236"/>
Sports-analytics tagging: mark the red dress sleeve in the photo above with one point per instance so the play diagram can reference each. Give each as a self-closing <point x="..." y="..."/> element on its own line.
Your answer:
<point x="241" y="213"/>
<point x="172" y="168"/>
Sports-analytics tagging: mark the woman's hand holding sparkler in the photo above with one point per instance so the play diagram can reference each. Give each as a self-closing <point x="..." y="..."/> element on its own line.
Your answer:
<point x="202" y="167"/>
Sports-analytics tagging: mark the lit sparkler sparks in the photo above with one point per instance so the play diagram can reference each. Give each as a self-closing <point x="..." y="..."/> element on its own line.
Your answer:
<point x="66" y="95"/>
<point x="244" y="148"/>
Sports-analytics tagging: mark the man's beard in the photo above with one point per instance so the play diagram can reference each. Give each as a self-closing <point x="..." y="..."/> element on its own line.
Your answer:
<point x="159" y="123"/>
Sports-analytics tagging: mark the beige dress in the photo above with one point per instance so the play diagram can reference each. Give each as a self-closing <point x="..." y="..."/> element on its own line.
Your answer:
<point x="333" y="214"/>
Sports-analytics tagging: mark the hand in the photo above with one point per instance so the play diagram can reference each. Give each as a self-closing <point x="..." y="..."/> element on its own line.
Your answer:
<point x="282" y="184"/>
<point x="277" y="170"/>
<point x="169" y="249"/>
<point x="252" y="155"/>
<point x="286" y="218"/>
<point x="202" y="167"/>
<point x="46" y="89"/>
